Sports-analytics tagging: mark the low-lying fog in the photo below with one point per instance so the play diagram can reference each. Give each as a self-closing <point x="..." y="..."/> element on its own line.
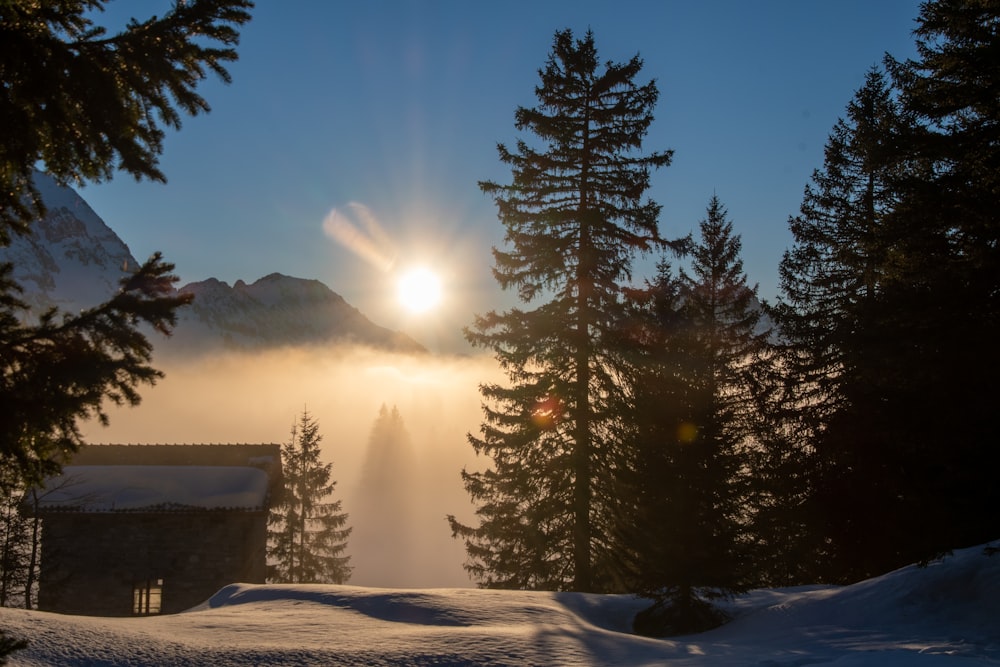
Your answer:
<point x="397" y="487"/>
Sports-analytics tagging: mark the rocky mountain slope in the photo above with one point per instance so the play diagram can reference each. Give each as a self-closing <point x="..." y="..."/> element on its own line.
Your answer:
<point x="71" y="260"/>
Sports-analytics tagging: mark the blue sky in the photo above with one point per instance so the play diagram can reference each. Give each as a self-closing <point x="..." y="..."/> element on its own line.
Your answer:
<point x="398" y="106"/>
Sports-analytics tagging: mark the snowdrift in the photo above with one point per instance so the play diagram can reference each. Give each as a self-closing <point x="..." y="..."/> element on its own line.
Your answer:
<point x="945" y="614"/>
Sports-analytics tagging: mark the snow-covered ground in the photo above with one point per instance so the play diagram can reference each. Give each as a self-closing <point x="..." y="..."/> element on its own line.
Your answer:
<point x="944" y="615"/>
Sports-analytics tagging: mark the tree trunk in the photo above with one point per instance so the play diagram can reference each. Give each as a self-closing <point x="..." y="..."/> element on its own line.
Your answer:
<point x="582" y="450"/>
<point x="33" y="558"/>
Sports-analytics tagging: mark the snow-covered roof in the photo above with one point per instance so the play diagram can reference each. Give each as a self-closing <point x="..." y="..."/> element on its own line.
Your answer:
<point x="204" y="454"/>
<point x="133" y="488"/>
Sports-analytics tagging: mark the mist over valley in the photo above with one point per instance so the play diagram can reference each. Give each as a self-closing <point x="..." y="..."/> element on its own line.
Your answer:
<point x="245" y="360"/>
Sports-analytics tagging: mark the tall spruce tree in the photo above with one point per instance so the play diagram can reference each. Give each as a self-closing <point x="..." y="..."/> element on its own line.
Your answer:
<point x="575" y="214"/>
<point x="308" y="531"/>
<point x="944" y="272"/>
<point x="866" y="347"/>
<point x="846" y="389"/>
<point x="695" y="396"/>
<point x="84" y="104"/>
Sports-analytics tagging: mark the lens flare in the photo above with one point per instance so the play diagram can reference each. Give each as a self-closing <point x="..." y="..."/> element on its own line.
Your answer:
<point x="548" y="412"/>
<point x="362" y="234"/>
<point x="687" y="433"/>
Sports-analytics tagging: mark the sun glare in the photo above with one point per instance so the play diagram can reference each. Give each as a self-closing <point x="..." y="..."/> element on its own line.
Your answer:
<point x="419" y="290"/>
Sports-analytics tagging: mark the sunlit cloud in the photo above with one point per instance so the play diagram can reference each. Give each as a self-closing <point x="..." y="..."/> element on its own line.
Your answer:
<point x="359" y="231"/>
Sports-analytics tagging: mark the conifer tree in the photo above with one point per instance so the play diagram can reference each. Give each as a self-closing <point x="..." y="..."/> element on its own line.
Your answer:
<point x="837" y="263"/>
<point x="891" y="306"/>
<point x="84" y="104"/>
<point x="574" y="214"/>
<point x="384" y="506"/>
<point x="694" y="400"/>
<point x="308" y="534"/>
<point x="664" y="496"/>
<point x="945" y="270"/>
<point x="15" y="539"/>
<point x="723" y="309"/>
<point x="64" y="368"/>
<point x="841" y="368"/>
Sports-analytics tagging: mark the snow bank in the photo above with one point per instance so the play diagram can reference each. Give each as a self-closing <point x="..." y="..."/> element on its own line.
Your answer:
<point x="944" y="615"/>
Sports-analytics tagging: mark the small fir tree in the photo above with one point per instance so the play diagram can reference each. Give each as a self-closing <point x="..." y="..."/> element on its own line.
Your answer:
<point x="728" y="337"/>
<point x="308" y="531"/>
<point x="663" y="493"/>
<point x="694" y="400"/>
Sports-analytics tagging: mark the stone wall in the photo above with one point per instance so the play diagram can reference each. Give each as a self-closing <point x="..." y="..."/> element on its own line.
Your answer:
<point x="91" y="563"/>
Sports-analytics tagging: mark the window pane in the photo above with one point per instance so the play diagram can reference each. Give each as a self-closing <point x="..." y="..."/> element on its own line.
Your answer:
<point x="137" y="595"/>
<point x="155" y="596"/>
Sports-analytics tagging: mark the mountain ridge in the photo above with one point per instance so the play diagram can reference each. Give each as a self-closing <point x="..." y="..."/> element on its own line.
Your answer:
<point x="278" y="310"/>
<point x="72" y="260"/>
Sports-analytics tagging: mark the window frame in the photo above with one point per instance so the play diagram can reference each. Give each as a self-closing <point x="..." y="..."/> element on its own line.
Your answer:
<point x="147" y="597"/>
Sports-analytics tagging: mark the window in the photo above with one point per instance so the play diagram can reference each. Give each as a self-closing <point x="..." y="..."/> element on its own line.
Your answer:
<point x="146" y="597"/>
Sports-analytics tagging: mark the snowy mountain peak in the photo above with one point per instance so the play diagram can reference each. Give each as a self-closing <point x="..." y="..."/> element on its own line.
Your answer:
<point x="71" y="259"/>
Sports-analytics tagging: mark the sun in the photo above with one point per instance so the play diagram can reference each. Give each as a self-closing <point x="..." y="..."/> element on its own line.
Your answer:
<point x="419" y="290"/>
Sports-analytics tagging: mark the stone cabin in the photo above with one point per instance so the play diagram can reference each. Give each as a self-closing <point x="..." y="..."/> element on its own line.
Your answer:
<point x="135" y="530"/>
